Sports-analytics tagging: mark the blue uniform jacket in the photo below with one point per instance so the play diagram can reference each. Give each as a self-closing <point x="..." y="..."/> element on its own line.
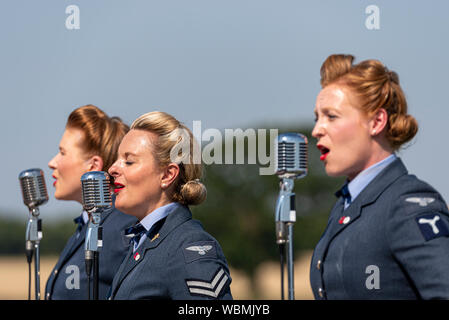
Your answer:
<point x="178" y="260"/>
<point x="390" y="243"/>
<point x="68" y="280"/>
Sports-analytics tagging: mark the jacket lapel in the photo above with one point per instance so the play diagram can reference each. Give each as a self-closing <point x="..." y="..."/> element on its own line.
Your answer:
<point x="342" y="219"/>
<point x="157" y="234"/>
<point x="76" y="242"/>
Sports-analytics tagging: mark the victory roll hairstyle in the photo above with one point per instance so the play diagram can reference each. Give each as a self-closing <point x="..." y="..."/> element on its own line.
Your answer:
<point x="102" y="134"/>
<point x="170" y="147"/>
<point x="376" y="87"/>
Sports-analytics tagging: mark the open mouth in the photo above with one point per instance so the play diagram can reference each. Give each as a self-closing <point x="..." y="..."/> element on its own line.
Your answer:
<point x="324" y="152"/>
<point x="54" y="183"/>
<point x="118" y="187"/>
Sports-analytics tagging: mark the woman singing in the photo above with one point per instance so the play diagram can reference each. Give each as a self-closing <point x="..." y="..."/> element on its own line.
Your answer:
<point x="387" y="235"/>
<point x="156" y="180"/>
<point x="89" y="143"/>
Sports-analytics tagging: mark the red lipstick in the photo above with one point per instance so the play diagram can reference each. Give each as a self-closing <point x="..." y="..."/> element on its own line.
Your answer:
<point x="324" y="151"/>
<point x="118" y="187"/>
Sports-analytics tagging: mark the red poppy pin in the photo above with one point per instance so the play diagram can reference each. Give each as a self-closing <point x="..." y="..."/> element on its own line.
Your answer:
<point x="344" y="220"/>
<point x="136" y="256"/>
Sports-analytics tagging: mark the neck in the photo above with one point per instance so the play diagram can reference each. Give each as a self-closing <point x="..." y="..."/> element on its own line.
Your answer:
<point x="153" y="206"/>
<point x="378" y="154"/>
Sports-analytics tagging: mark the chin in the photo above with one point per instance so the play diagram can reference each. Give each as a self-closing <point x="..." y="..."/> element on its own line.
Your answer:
<point x="59" y="196"/>
<point x="123" y="208"/>
<point x="333" y="172"/>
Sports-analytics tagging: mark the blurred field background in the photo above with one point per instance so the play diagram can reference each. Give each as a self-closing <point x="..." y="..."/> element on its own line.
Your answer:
<point x="265" y="285"/>
<point x="238" y="212"/>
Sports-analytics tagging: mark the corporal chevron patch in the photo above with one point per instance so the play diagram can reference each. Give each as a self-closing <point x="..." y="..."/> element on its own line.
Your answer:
<point x="212" y="288"/>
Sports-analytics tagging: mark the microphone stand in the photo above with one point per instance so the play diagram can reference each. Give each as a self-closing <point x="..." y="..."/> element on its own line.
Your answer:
<point x="93" y="244"/>
<point x="285" y="217"/>
<point x="33" y="237"/>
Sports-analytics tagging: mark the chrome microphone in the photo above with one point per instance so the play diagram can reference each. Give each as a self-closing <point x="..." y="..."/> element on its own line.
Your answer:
<point x="33" y="187"/>
<point x="291" y="163"/>
<point x="291" y="157"/>
<point x="34" y="192"/>
<point x="96" y="197"/>
<point x="96" y="191"/>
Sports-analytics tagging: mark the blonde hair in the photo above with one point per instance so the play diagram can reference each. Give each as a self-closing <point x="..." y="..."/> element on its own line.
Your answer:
<point x="170" y="147"/>
<point x="102" y="134"/>
<point x="376" y="87"/>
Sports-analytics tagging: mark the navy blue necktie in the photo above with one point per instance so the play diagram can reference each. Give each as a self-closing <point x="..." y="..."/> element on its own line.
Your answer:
<point x="344" y="192"/>
<point x="135" y="232"/>
<point x="80" y="222"/>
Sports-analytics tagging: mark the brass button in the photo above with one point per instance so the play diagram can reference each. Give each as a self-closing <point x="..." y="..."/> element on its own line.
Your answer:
<point x="318" y="265"/>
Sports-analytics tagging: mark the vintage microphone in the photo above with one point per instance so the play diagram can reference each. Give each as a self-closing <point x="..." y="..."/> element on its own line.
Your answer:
<point x="97" y="198"/>
<point x="291" y="163"/>
<point x="34" y="194"/>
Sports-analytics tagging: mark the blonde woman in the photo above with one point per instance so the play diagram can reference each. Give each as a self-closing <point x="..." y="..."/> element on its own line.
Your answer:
<point x="172" y="256"/>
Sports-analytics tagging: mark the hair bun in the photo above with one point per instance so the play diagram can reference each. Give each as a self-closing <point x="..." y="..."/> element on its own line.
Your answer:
<point x="193" y="192"/>
<point x="403" y="127"/>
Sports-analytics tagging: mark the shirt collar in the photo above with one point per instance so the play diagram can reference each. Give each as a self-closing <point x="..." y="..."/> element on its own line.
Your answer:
<point x="359" y="183"/>
<point x="156" y="215"/>
<point x="85" y="217"/>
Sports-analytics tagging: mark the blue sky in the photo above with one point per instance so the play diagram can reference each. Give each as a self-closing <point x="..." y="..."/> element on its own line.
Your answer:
<point x="229" y="64"/>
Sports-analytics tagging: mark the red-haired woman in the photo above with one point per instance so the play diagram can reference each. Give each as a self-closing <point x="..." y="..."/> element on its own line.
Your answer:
<point x="89" y="143"/>
<point x="387" y="235"/>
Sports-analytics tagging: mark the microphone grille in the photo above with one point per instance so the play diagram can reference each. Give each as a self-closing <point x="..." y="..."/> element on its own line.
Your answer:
<point x="95" y="190"/>
<point x="34" y="190"/>
<point x="292" y="155"/>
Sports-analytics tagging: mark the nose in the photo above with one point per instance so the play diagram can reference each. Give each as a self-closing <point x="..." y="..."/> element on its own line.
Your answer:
<point x="52" y="163"/>
<point x="317" y="131"/>
<point x="114" y="169"/>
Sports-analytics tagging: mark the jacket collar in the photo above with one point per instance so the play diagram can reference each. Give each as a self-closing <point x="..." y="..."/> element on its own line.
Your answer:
<point x="339" y="219"/>
<point x="176" y="216"/>
<point x="161" y="229"/>
<point x="382" y="181"/>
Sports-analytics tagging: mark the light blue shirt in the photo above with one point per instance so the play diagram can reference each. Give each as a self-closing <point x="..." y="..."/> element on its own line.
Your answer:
<point x="366" y="176"/>
<point x="153" y="217"/>
<point x="85" y="217"/>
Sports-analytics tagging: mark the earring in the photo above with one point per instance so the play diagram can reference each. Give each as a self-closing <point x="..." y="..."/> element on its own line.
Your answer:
<point x="164" y="185"/>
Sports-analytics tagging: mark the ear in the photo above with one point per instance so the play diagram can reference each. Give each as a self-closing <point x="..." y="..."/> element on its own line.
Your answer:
<point x="95" y="163"/>
<point x="169" y="175"/>
<point x="378" y="122"/>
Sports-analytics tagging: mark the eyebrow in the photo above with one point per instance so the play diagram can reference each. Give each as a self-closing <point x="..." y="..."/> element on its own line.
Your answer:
<point x="326" y="109"/>
<point x="129" y="154"/>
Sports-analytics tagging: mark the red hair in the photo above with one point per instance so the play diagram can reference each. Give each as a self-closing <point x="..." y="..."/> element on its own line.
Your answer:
<point x="376" y="87"/>
<point x="102" y="134"/>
